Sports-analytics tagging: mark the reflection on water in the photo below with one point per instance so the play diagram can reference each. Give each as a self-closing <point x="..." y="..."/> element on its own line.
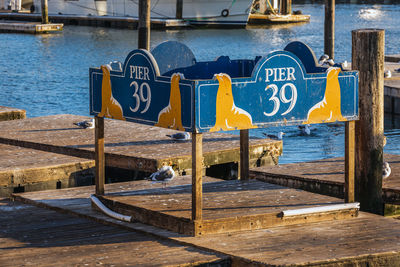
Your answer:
<point x="48" y="74"/>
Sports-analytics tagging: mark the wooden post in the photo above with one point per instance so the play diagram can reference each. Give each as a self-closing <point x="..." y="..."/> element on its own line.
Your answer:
<point x="197" y="176"/>
<point x="329" y="28"/>
<point x="144" y="25"/>
<point x="45" y="12"/>
<point x="99" y="155"/>
<point x="244" y="154"/>
<point x="349" y="161"/>
<point x="368" y="58"/>
<point x="179" y="9"/>
<point x="286" y="8"/>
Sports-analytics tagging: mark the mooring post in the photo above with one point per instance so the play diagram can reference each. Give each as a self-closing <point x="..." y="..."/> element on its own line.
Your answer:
<point x="286" y="8"/>
<point x="368" y="59"/>
<point x="179" y="9"/>
<point x="99" y="155"/>
<point x="45" y="12"/>
<point x="349" y="161"/>
<point x="329" y="28"/>
<point x="144" y="25"/>
<point x="197" y="176"/>
<point x="244" y="155"/>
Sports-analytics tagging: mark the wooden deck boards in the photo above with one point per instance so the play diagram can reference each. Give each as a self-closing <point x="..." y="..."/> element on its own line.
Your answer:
<point x="130" y="145"/>
<point x="367" y="239"/>
<point x="7" y="113"/>
<point x="40" y="237"/>
<point x="326" y="177"/>
<point x="38" y="170"/>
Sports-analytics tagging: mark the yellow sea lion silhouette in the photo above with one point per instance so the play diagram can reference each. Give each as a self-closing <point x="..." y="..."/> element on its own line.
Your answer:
<point x="110" y="108"/>
<point x="328" y="110"/>
<point x="170" y="116"/>
<point x="228" y="115"/>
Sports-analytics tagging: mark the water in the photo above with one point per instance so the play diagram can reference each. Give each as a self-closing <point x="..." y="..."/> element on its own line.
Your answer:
<point x="48" y="74"/>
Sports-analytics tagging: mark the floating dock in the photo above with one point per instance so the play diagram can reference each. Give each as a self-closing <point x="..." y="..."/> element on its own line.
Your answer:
<point x="131" y="145"/>
<point x="365" y="240"/>
<point x="29" y="27"/>
<point x="326" y="177"/>
<point x="261" y="19"/>
<point x="392" y="85"/>
<point x="7" y="113"/>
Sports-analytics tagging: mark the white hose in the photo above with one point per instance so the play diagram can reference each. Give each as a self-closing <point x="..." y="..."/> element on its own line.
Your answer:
<point x="334" y="207"/>
<point x="109" y="212"/>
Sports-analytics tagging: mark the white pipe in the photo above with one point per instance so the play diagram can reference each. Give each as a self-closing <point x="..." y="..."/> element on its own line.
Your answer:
<point x="109" y="212"/>
<point x="333" y="207"/>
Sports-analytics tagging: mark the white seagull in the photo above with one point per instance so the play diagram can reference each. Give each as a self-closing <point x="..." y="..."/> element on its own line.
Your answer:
<point x="276" y="137"/>
<point x="386" y="170"/>
<point x="305" y="129"/>
<point x="387" y="74"/>
<point x="323" y="59"/>
<point x="181" y="136"/>
<point x="163" y="175"/>
<point x="88" y="124"/>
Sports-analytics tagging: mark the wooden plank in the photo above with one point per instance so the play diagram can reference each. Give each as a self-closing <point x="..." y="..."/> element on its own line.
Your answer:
<point x="7" y="113"/>
<point x="349" y="168"/>
<point x="130" y="145"/>
<point x="50" y="238"/>
<point x="197" y="176"/>
<point x="244" y="155"/>
<point x="368" y="57"/>
<point x="99" y="155"/>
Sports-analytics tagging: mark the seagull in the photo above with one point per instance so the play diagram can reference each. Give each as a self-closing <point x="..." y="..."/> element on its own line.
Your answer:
<point x="323" y="59"/>
<point x="276" y="137"/>
<point x="181" y="136"/>
<point x="88" y="124"/>
<point x="387" y="74"/>
<point x="305" y="129"/>
<point x="386" y="170"/>
<point x="163" y="175"/>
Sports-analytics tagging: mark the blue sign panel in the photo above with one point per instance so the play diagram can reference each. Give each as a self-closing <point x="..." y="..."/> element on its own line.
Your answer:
<point x="285" y="87"/>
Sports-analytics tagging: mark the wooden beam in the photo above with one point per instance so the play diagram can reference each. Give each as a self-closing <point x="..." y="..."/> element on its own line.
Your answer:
<point x="99" y="155"/>
<point x="329" y="28"/>
<point x="349" y="161"/>
<point x="144" y="25"/>
<point x="244" y="154"/>
<point x="197" y="176"/>
<point x="45" y="12"/>
<point x="368" y="58"/>
<point x="179" y="9"/>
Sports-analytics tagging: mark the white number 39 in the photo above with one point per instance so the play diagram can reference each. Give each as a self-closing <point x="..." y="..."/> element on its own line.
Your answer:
<point x="282" y="96"/>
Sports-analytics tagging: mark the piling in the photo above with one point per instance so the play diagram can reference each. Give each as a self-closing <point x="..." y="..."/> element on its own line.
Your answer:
<point x="144" y="25"/>
<point x="368" y="58"/>
<point x="179" y="9"/>
<point x="45" y="12"/>
<point x="286" y="8"/>
<point x="99" y="155"/>
<point x="329" y="28"/>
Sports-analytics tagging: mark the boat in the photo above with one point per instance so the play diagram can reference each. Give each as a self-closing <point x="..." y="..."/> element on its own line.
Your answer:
<point x="193" y="11"/>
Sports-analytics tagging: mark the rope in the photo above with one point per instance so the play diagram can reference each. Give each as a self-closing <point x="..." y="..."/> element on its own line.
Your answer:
<point x="270" y="6"/>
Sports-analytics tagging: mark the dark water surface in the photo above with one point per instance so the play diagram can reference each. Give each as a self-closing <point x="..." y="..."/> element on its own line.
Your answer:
<point x="48" y="74"/>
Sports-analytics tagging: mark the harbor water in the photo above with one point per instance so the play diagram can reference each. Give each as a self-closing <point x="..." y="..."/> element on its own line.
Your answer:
<point x="49" y="74"/>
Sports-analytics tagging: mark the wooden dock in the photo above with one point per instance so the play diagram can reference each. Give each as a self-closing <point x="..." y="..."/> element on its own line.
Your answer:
<point x="29" y="27"/>
<point x="392" y="86"/>
<point x="23" y="169"/>
<point x="261" y="19"/>
<point x="42" y="237"/>
<point x="326" y="177"/>
<point x="130" y="145"/>
<point x="7" y="113"/>
<point x="366" y="240"/>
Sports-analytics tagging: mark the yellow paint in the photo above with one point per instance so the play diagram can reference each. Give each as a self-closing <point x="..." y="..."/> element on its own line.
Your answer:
<point x="228" y="115"/>
<point x="328" y="110"/>
<point x="170" y="116"/>
<point x="110" y="108"/>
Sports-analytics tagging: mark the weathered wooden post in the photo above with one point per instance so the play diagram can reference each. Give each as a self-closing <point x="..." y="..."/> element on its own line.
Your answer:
<point x="368" y="58"/>
<point x="179" y="9"/>
<point x="329" y="28"/>
<point x="45" y="12"/>
<point x="99" y="155"/>
<point x="197" y="176"/>
<point x="144" y="25"/>
<point x="244" y="155"/>
<point x="349" y="170"/>
<point x="286" y="8"/>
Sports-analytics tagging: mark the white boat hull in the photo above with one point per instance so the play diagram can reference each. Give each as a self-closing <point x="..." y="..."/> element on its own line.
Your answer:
<point x="235" y="11"/>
